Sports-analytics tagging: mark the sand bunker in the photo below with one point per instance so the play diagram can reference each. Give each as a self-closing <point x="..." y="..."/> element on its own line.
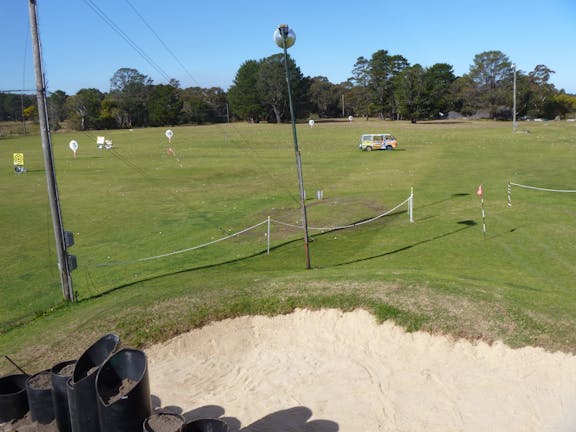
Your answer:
<point x="330" y="371"/>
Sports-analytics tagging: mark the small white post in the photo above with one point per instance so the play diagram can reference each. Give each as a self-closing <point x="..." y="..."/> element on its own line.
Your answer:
<point x="480" y="193"/>
<point x="509" y="194"/>
<point x="411" y="205"/>
<point x="268" y="238"/>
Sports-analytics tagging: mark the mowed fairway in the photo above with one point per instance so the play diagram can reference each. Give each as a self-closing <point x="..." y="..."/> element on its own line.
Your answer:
<point x="142" y="200"/>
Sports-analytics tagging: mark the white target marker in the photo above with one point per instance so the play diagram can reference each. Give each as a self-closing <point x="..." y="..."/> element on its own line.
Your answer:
<point x="73" y="146"/>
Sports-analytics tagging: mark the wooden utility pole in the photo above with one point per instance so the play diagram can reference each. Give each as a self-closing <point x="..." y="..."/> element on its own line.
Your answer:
<point x="63" y="264"/>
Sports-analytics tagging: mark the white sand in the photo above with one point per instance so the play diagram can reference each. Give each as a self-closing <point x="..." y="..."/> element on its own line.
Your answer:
<point x="330" y="371"/>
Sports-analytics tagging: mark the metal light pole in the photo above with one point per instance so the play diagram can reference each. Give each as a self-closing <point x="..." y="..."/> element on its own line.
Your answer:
<point x="63" y="264"/>
<point x="285" y="37"/>
<point x="514" y="101"/>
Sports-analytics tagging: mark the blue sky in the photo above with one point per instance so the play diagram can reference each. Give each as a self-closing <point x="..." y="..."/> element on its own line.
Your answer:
<point x="208" y="40"/>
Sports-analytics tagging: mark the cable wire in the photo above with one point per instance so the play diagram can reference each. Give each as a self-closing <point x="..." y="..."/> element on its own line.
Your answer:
<point x="124" y="36"/>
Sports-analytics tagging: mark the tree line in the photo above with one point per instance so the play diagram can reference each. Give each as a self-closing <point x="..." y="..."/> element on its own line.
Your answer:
<point x="384" y="85"/>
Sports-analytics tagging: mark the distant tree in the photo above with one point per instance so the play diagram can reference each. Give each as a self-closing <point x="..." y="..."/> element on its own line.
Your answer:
<point x="438" y="80"/>
<point x="565" y="104"/>
<point x="84" y="108"/>
<point x="375" y="81"/>
<point x="492" y="74"/>
<point x="130" y="88"/>
<point x="12" y="105"/>
<point x="110" y="117"/>
<point x="164" y="104"/>
<point x="542" y="92"/>
<point x="359" y="95"/>
<point x="243" y="94"/>
<point x="359" y="100"/>
<point x="463" y="96"/>
<point x="411" y="93"/>
<point x="203" y="105"/>
<point x="361" y="72"/>
<point x="30" y="113"/>
<point x="272" y="88"/>
<point x="324" y="97"/>
<point x="57" y="108"/>
<point x="217" y="101"/>
<point x="383" y="70"/>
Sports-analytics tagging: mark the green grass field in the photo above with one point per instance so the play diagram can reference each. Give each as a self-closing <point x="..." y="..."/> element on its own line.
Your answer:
<point x="438" y="274"/>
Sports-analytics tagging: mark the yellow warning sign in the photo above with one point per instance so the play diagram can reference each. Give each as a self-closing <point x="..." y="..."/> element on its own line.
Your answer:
<point x="18" y="159"/>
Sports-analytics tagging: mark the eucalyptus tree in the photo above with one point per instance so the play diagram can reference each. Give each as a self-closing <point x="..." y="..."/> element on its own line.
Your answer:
<point x="542" y="92"/>
<point x="84" y="108"/>
<point x="130" y="89"/>
<point x="324" y="97"/>
<point x="272" y="88"/>
<point x="492" y="74"/>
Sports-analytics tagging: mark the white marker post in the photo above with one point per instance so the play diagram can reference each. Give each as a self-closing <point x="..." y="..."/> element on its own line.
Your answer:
<point x="480" y="193"/>
<point x="169" y="135"/>
<point x="74" y="147"/>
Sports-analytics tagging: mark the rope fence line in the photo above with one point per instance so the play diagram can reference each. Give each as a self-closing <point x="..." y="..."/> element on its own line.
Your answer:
<point x="182" y="250"/>
<point x="334" y="228"/>
<point x="510" y="184"/>
<point x="268" y="221"/>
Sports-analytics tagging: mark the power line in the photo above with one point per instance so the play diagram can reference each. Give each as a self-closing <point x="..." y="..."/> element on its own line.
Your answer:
<point x="163" y="43"/>
<point x="124" y="36"/>
<point x="18" y="91"/>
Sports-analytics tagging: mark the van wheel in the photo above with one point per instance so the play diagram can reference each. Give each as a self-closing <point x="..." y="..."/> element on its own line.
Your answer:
<point x="368" y="148"/>
<point x="389" y="147"/>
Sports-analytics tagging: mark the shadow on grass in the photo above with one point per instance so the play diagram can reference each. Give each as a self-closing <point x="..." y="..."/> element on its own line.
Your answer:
<point x="451" y="197"/>
<point x="224" y="263"/>
<point x="7" y="326"/>
<point x="468" y="224"/>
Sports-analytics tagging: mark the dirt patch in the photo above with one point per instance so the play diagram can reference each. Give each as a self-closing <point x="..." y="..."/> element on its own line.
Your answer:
<point x="111" y="395"/>
<point x="164" y="422"/>
<point x="67" y="371"/>
<point x="25" y="424"/>
<point x="41" y="381"/>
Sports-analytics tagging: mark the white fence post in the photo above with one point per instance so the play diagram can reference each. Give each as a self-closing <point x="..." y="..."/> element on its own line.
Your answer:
<point x="268" y="238"/>
<point x="411" y="205"/>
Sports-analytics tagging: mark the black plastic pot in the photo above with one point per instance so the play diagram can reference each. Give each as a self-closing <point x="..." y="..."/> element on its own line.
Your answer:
<point x="39" y="393"/>
<point x="60" y="396"/>
<point x="13" y="399"/>
<point x="81" y="388"/>
<point x="206" y="425"/>
<point x="123" y="391"/>
<point x="162" y="421"/>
